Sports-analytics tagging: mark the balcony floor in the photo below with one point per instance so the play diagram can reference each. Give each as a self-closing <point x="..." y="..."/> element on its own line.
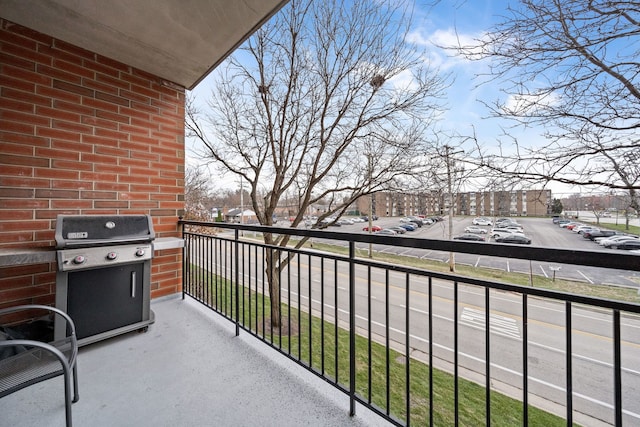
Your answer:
<point x="189" y="369"/>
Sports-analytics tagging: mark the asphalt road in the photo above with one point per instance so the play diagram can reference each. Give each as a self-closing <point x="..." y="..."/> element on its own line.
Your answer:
<point x="543" y="233"/>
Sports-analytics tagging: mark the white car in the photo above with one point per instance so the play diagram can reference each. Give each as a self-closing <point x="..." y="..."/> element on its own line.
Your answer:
<point x="482" y="221"/>
<point x="503" y="232"/>
<point x="475" y="230"/>
<point x="582" y="228"/>
<point x="613" y="239"/>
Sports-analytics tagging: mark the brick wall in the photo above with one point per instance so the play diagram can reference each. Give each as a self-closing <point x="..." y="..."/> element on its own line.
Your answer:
<point x="82" y="134"/>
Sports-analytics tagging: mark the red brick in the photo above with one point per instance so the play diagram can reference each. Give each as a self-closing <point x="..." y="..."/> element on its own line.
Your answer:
<point x="58" y="94"/>
<point x="16" y="237"/>
<point x="17" y="149"/>
<point x="17" y="84"/>
<point x="61" y="184"/>
<point x="80" y="166"/>
<point x="111" y="134"/>
<point x="15" y="215"/>
<point x="71" y="204"/>
<point x="24" y="160"/>
<point x="57" y="133"/>
<point x="23" y="140"/>
<point x="144" y="205"/>
<point x="19" y="117"/>
<point x="57" y="154"/>
<point x="111" y="168"/>
<point x="121" y="118"/>
<point x="123" y="102"/>
<point x="98" y="140"/>
<point x="99" y="195"/>
<point x="75" y="50"/>
<point x="23" y="203"/>
<point x="110" y="204"/>
<point x="112" y="80"/>
<point x="16" y="193"/>
<point x="19" y="181"/>
<point x="113" y="64"/>
<point x="56" y="194"/>
<point x="75" y="147"/>
<point x="21" y="57"/>
<point x="26" y="97"/>
<point x="56" y="173"/>
<point x="65" y="66"/>
<point x="72" y="88"/>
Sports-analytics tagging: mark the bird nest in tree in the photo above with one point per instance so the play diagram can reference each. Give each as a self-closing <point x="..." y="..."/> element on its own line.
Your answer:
<point x="377" y="81"/>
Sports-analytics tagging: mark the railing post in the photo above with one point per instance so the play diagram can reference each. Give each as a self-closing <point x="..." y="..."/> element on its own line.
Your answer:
<point x="184" y="260"/>
<point x="352" y="329"/>
<point x="237" y="278"/>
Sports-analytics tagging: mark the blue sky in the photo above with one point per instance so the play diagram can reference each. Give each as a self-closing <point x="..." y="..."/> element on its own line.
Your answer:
<point x="444" y="24"/>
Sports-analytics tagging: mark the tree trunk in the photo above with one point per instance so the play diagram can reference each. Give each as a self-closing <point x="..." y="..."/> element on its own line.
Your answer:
<point x="273" y="279"/>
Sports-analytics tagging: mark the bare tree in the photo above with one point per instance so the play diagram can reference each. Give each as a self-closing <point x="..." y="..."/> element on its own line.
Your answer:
<point x="326" y="101"/>
<point x="572" y="67"/>
<point x="196" y="197"/>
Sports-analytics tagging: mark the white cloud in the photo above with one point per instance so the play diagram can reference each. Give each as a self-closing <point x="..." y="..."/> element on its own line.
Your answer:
<point x="524" y="104"/>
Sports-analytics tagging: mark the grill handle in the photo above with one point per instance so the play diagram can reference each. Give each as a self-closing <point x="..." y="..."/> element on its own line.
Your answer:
<point x="133" y="284"/>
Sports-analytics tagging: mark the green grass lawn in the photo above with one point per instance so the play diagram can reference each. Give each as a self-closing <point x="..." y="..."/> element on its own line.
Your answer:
<point x="310" y="334"/>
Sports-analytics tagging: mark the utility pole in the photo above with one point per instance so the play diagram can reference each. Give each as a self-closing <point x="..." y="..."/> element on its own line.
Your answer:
<point x="447" y="154"/>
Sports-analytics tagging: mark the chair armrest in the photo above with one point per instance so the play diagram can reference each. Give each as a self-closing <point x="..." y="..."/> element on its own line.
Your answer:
<point x="71" y="327"/>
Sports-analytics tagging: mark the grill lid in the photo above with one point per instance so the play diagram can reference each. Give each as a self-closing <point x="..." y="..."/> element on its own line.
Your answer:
<point x="97" y="230"/>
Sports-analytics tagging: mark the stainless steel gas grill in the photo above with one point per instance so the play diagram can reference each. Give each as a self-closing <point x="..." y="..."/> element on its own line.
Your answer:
<point x="103" y="279"/>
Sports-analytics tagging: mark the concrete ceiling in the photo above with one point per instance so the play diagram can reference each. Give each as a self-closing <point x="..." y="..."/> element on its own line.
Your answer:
<point x="178" y="40"/>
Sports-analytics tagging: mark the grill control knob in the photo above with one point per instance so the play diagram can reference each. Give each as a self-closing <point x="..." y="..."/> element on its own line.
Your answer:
<point x="140" y="252"/>
<point x="79" y="259"/>
<point x="111" y="256"/>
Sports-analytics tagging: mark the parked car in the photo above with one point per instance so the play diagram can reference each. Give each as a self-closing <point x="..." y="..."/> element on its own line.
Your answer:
<point x="345" y="221"/>
<point x="408" y="226"/>
<point x="398" y="229"/>
<point x="614" y="243"/>
<point x="591" y="235"/>
<point x="374" y="228"/>
<point x="574" y="225"/>
<point x="629" y="245"/>
<point x="563" y="224"/>
<point x="582" y="228"/>
<point x="386" y="232"/>
<point x="608" y="240"/>
<point x="514" y="238"/>
<point x="502" y="232"/>
<point x="470" y="236"/>
<point x="475" y="230"/>
<point x="481" y="221"/>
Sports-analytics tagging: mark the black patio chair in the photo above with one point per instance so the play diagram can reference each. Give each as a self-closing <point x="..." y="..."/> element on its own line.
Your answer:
<point x="24" y="362"/>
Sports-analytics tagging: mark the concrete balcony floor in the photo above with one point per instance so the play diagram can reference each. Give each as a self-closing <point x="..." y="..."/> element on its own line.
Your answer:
<point x="189" y="369"/>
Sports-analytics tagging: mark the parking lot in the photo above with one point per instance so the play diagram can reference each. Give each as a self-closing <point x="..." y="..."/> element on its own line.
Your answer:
<point x="542" y="231"/>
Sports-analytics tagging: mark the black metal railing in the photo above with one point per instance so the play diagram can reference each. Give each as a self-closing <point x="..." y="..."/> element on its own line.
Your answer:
<point x="423" y="347"/>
